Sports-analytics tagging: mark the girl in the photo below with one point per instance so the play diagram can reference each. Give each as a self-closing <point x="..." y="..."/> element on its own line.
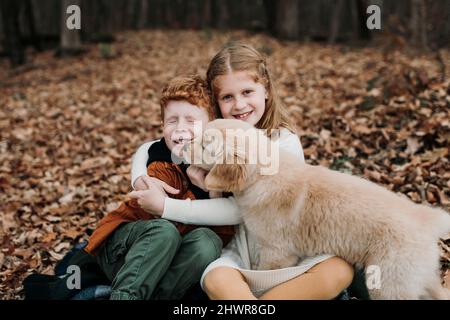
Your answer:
<point x="242" y="89"/>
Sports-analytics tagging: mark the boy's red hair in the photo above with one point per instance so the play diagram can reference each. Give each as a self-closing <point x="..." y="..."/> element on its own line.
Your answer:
<point x="192" y="89"/>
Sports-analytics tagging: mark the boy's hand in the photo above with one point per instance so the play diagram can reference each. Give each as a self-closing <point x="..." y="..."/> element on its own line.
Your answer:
<point x="146" y="182"/>
<point x="197" y="176"/>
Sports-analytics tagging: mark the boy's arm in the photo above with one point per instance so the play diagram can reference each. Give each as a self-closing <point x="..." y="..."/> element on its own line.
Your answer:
<point x="212" y="212"/>
<point x="139" y="162"/>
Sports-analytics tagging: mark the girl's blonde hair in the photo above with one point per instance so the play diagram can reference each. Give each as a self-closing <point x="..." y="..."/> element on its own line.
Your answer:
<point x="243" y="57"/>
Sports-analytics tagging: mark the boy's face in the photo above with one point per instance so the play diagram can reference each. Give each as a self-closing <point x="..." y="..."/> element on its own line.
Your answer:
<point x="182" y="123"/>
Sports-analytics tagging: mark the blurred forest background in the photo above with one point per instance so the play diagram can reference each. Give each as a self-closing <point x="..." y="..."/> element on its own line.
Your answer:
<point x="39" y="23"/>
<point x="75" y="104"/>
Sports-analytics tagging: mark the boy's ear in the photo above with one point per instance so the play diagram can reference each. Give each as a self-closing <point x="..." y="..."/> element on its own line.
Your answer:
<point x="226" y="177"/>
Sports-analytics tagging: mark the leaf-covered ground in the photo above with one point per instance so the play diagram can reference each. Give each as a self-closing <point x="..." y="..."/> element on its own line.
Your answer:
<point x="69" y="127"/>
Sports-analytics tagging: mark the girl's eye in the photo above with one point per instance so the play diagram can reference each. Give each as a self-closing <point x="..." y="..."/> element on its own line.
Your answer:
<point x="171" y="121"/>
<point x="190" y="120"/>
<point x="226" y="98"/>
<point x="247" y="92"/>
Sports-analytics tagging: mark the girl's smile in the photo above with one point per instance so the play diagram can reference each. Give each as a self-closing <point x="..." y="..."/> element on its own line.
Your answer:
<point x="243" y="116"/>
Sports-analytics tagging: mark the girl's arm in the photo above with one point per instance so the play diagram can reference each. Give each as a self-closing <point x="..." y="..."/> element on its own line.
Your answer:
<point x="139" y="163"/>
<point x="212" y="212"/>
<point x="219" y="211"/>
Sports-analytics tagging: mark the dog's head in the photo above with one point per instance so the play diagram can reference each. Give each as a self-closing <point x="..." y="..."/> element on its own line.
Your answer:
<point x="229" y="151"/>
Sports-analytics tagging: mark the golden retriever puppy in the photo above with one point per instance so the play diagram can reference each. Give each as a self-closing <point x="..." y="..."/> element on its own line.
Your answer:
<point x="303" y="210"/>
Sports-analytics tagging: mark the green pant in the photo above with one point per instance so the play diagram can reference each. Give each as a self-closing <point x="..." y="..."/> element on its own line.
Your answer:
<point x="148" y="259"/>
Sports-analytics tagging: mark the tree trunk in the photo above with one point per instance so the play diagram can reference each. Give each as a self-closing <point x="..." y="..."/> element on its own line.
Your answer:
<point x="423" y="25"/>
<point x="221" y="14"/>
<point x="418" y="23"/>
<point x="363" y="31"/>
<point x="10" y="17"/>
<point x="143" y="14"/>
<point x="70" y="39"/>
<point x="156" y="19"/>
<point x="270" y="7"/>
<point x="192" y="14"/>
<point x="335" y="21"/>
<point x="34" y="37"/>
<point x="206" y="14"/>
<point x="287" y="25"/>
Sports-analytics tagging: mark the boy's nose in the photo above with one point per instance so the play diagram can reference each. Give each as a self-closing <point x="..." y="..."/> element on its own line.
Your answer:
<point x="181" y="126"/>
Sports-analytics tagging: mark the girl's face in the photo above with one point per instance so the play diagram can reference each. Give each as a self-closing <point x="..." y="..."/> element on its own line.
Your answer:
<point x="240" y="97"/>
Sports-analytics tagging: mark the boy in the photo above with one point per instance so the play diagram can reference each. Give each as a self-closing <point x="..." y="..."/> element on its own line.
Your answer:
<point x="144" y="256"/>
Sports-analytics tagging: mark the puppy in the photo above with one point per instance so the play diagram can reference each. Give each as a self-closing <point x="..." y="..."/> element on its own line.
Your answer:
<point x="305" y="210"/>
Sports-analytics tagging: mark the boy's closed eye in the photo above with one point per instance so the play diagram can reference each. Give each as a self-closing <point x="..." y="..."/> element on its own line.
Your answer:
<point x="191" y="120"/>
<point x="171" y="120"/>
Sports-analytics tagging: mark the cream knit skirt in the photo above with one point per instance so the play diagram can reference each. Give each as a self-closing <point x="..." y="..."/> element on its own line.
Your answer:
<point x="238" y="255"/>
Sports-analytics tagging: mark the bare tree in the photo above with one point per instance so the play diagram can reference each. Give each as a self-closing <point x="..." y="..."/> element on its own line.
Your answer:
<point x="418" y="23"/>
<point x="13" y="42"/>
<point x="335" y="21"/>
<point x="29" y="17"/>
<point x="142" y="14"/>
<point x="286" y="21"/>
<point x="363" y="32"/>
<point x="70" y="41"/>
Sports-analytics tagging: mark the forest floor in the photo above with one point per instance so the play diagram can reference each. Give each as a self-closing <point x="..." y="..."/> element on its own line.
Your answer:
<point x="68" y="128"/>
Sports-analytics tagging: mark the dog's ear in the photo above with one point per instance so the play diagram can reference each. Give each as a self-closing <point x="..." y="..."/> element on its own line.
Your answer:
<point x="226" y="177"/>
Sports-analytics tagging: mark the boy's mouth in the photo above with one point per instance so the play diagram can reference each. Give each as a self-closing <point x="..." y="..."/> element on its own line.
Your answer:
<point x="181" y="141"/>
<point x="242" y="116"/>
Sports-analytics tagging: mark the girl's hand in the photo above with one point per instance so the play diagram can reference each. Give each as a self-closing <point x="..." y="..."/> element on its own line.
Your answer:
<point x="151" y="200"/>
<point x="153" y="197"/>
<point x="146" y="182"/>
<point x="197" y="176"/>
<point x="141" y="183"/>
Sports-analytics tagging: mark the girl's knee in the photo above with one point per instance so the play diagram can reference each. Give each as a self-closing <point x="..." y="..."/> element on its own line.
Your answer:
<point x="339" y="274"/>
<point x="217" y="278"/>
<point x="225" y="283"/>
